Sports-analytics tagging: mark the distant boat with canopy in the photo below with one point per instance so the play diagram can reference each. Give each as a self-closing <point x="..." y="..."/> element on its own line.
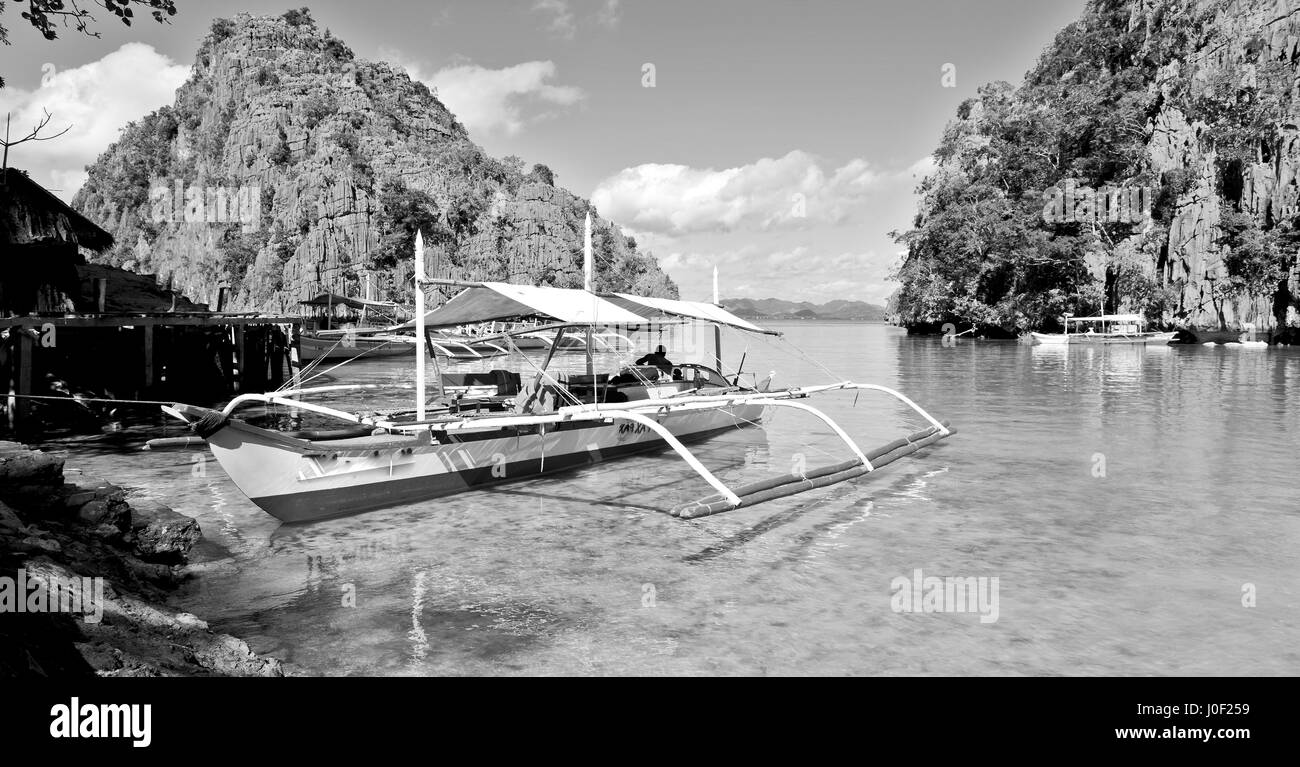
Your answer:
<point x="1104" y="329"/>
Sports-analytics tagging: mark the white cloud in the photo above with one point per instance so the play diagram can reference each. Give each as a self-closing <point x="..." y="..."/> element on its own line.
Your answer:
<point x="801" y="273"/>
<point x="694" y="219"/>
<point x="792" y="191"/>
<point x="608" y="14"/>
<point x="98" y="99"/>
<point x="501" y="99"/>
<point x="562" y="20"/>
<point x="485" y="99"/>
<point x="562" y="23"/>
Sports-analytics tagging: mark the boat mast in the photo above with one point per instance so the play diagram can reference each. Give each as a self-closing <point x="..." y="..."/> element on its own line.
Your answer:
<point x="587" y="284"/>
<point x="419" y="325"/>
<point x="717" y="331"/>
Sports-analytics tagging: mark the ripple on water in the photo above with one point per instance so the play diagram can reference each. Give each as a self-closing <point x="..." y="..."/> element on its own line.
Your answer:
<point x="1123" y="497"/>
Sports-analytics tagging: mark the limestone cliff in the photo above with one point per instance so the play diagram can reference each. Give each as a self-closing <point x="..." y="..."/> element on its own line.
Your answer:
<point x="286" y="167"/>
<point x="1193" y="102"/>
<point x="1241" y="36"/>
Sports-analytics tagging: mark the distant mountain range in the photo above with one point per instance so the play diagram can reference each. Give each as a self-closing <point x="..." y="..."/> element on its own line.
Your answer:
<point x="778" y="309"/>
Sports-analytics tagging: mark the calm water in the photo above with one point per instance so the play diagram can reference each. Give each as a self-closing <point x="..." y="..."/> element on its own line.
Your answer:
<point x="1139" y="571"/>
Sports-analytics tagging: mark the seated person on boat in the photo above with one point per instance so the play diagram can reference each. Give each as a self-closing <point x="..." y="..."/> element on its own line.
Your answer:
<point x="658" y="358"/>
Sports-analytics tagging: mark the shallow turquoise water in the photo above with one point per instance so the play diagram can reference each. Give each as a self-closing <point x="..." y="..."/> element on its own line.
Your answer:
<point x="1139" y="571"/>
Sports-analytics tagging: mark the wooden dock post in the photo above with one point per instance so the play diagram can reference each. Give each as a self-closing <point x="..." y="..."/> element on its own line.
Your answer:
<point x="238" y="359"/>
<point x="295" y="356"/>
<point x="21" y="382"/>
<point x="148" y="356"/>
<point x="275" y="357"/>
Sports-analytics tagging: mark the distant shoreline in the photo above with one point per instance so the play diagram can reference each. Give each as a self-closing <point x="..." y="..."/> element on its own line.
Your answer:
<point x="814" y="320"/>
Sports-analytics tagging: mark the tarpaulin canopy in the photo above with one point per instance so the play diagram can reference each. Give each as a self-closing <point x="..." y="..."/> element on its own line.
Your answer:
<point x="698" y="310"/>
<point x="490" y="301"/>
<point x="1109" y="318"/>
<point x="334" y="299"/>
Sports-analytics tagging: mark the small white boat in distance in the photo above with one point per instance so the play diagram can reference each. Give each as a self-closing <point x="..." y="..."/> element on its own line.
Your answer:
<point x="1104" y="329"/>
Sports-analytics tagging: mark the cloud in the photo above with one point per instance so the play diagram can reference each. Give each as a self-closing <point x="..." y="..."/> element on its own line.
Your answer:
<point x="562" y="23"/>
<point x="801" y="273"/>
<point x="563" y="20"/>
<point x="489" y="100"/>
<point x="794" y="191"/>
<point x="694" y="219"/>
<point x="98" y="99"/>
<point x="608" y="14"/>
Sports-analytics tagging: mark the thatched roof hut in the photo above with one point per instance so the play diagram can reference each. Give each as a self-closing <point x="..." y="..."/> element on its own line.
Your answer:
<point x="41" y="244"/>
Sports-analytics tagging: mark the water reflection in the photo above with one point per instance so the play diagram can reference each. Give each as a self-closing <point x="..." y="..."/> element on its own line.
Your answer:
<point x="1138" y="571"/>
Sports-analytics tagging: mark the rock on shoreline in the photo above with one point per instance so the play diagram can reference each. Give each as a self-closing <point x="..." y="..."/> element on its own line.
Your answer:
<point x="55" y="531"/>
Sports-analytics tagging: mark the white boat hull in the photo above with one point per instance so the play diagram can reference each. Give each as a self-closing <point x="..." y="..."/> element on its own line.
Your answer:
<point x="1055" y="339"/>
<point x="298" y="481"/>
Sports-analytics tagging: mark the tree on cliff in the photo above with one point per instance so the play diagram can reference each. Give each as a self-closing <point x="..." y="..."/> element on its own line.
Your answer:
<point x="542" y="175"/>
<point x="404" y="211"/>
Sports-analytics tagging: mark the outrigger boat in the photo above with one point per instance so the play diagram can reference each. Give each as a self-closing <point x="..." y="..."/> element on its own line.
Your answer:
<point x="463" y="348"/>
<point x="1104" y="329"/>
<point x="352" y="344"/>
<point x="513" y="428"/>
<point x="365" y="335"/>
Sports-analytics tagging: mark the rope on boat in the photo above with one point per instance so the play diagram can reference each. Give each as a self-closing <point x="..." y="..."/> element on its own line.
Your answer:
<point x="784" y="344"/>
<point x="210" y="423"/>
<point x="316" y="363"/>
<point x="75" y="400"/>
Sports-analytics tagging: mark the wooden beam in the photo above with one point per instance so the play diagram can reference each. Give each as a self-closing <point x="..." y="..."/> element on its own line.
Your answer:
<point x="128" y="321"/>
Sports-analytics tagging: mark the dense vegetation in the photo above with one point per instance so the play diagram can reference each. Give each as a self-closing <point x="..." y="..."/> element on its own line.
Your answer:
<point x="981" y="251"/>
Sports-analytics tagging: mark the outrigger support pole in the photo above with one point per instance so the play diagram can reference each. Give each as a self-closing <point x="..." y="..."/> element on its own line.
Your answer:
<point x="612" y="415"/>
<point x="835" y="427"/>
<point x="933" y="422"/>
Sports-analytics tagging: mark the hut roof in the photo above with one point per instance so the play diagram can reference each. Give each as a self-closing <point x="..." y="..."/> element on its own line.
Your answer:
<point x="28" y="211"/>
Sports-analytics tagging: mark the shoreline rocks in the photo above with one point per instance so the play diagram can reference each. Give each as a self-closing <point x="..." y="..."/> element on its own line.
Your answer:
<point x="128" y="554"/>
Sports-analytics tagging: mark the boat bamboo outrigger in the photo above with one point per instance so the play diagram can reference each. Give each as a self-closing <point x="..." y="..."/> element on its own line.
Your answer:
<point x="517" y="428"/>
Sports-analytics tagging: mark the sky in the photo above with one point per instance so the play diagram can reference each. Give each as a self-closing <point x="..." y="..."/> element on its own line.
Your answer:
<point x="778" y="140"/>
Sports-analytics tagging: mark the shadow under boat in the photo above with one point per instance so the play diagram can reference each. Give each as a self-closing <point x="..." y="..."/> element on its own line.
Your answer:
<point x="647" y="481"/>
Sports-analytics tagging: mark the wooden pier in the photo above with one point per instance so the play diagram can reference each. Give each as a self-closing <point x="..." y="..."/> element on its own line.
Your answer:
<point x="209" y="357"/>
<point x="79" y="338"/>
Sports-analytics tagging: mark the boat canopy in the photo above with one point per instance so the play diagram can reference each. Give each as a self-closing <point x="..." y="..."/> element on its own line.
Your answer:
<point x="1108" y="318"/>
<point x="493" y="301"/>
<point x="698" y="310"/>
<point x="334" y="299"/>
